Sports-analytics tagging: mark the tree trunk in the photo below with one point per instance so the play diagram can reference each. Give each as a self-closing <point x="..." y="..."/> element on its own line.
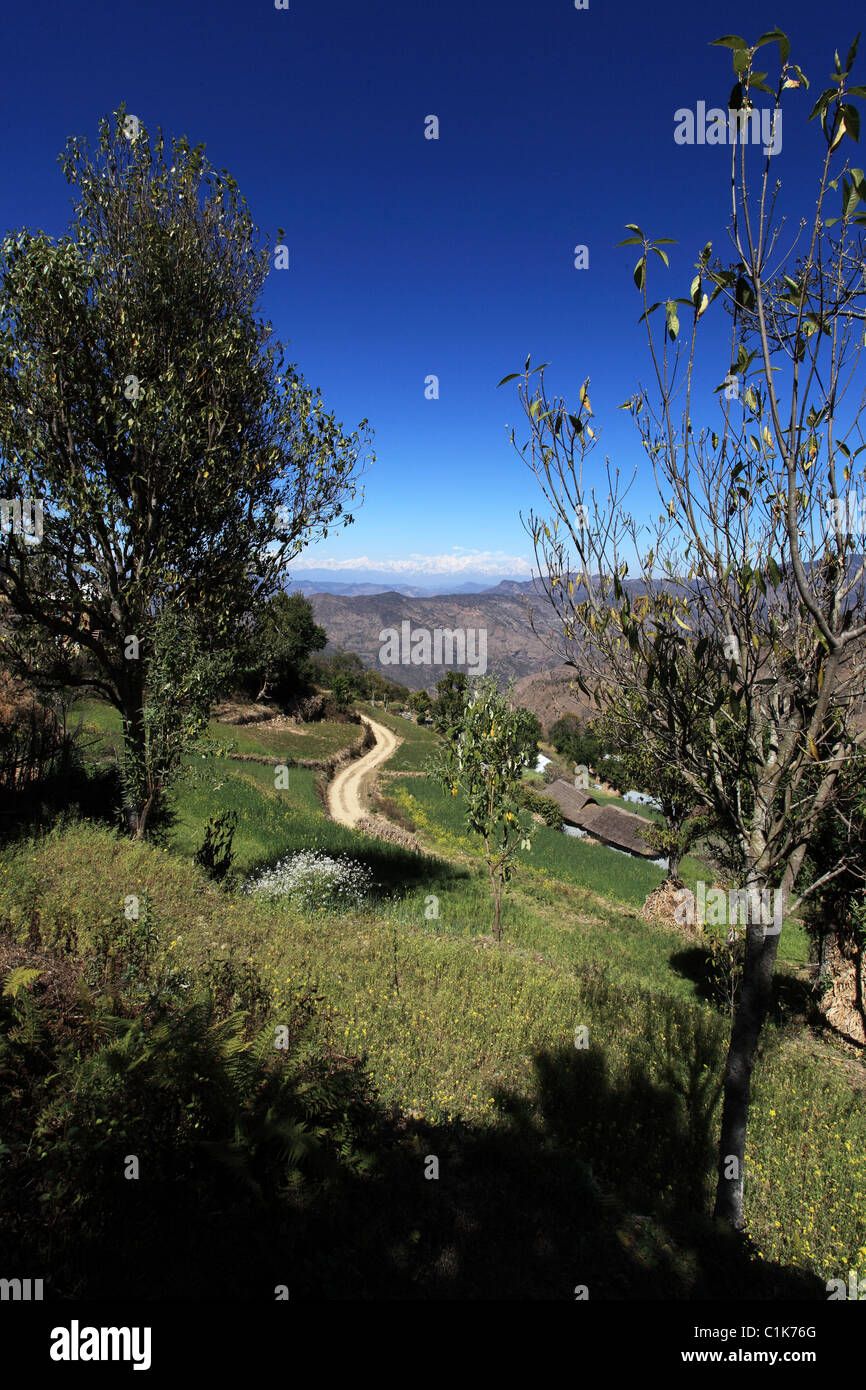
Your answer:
<point x="497" y="904"/>
<point x="497" y="891"/>
<point x="749" y="1015"/>
<point x="825" y="942"/>
<point x="135" y="758"/>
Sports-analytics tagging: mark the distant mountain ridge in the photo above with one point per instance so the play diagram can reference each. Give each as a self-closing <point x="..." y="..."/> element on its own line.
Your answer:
<point x="350" y="589"/>
<point x="354" y="621"/>
<point x="414" y="585"/>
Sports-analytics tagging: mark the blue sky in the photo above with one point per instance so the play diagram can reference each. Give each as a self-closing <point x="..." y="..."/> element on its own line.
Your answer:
<point x="410" y="256"/>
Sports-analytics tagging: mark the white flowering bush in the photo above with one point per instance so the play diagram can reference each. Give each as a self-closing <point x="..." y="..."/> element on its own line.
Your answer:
<point x="313" y="880"/>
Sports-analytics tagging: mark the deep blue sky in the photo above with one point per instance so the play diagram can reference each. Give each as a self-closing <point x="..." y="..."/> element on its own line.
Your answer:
<point x="410" y="256"/>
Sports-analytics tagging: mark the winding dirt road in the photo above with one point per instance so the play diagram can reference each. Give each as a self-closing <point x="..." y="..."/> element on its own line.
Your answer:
<point x="345" y="793"/>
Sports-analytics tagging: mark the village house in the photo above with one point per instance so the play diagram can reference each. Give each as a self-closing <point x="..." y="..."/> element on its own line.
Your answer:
<point x="612" y="826"/>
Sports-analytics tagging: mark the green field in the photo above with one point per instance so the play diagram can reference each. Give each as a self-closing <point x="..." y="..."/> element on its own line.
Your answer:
<point x="477" y="1039"/>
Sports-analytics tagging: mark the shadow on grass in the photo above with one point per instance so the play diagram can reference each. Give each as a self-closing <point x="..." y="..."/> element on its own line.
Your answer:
<point x="594" y="1183"/>
<point x="793" y="997"/>
<point x="91" y="793"/>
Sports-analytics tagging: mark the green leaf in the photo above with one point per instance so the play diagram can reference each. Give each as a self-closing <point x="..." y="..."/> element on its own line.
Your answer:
<point x="852" y="54"/>
<point x="511" y="377"/>
<point x="640" y="273"/>
<point x="19" y="979"/>
<point x="822" y="103"/>
<point x="783" y="41"/>
<point x="851" y="117"/>
<point x="741" y="61"/>
<point x="850" y="198"/>
<point x="729" y="41"/>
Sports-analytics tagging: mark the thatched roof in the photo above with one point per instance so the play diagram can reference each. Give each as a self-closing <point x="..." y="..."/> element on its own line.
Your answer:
<point x="610" y="824"/>
<point x="570" y="800"/>
<point x="616" y="827"/>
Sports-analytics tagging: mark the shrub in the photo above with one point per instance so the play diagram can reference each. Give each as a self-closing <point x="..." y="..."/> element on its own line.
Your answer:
<point x="544" y="806"/>
<point x="225" y="1122"/>
<point x="314" y="881"/>
<point x="215" y="854"/>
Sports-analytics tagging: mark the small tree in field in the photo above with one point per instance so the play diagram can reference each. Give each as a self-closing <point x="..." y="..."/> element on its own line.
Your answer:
<point x="283" y="634"/>
<point x="448" y="708"/>
<point x="742" y="637"/>
<point x="530" y="732"/>
<point x="420" y="704"/>
<point x="653" y="770"/>
<point x="483" y="762"/>
<point x="181" y="462"/>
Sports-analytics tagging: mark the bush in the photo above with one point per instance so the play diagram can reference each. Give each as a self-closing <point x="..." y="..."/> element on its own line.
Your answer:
<point x="224" y="1119"/>
<point x="215" y="854"/>
<point x="544" y="806"/>
<point x="314" y="881"/>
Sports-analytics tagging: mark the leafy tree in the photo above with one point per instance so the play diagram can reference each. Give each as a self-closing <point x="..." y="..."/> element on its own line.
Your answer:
<point x="749" y="616"/>
<point x="283" y="635"/>
<point x="183" y="683"/>
<point x="420" y="704"/>
<point x="836" y="863"/>
<point x="574" y="741"/>
<point x="649" y="767"/>
<point x="324" y="670"/>
<point x="343" y="689"/>
<point x="529" y="729"/>
<point x="452" y="694"/>
<point x="181" y="462"/>
<point x="483" y="762"/>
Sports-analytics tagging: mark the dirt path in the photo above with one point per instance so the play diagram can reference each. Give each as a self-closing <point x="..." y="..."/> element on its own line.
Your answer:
<point x="345" y="793"/>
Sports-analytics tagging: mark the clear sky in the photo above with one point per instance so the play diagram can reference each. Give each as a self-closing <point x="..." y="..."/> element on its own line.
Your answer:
<point x="453" y="257"/>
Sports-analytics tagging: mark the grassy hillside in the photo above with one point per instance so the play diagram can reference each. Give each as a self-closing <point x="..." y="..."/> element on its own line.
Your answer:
<point x="601" y="1154"/>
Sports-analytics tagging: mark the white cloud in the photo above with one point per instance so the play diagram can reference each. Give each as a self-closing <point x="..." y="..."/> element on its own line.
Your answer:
<point x="458" y="561"/>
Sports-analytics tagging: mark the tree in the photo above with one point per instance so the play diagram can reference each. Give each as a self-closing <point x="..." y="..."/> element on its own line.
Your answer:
<point x="420" y="704"/>
<point x="483" y="761"/>
<point x="180" y="461"/>
<point x="835" y="918"/>
<point x="343" y="689"/>
<point x="283" y="635"/>
<point x="575" y="742"/>
<point x="324" y="670"/>
<point x="650" y="767"/>
<point x="529" y="732"/>
<point x="748" y="615"/>
<point x="183" y="683"/>
<point x="452" y="695"/>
